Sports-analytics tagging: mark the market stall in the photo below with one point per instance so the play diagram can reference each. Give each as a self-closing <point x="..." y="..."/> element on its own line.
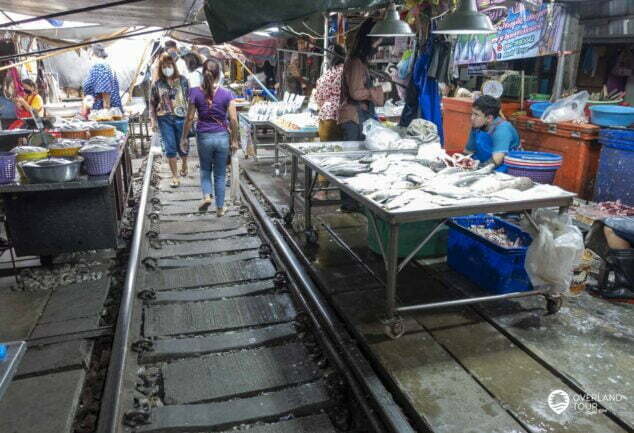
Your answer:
<point x="296" y="150"/>
<point x="284" y="135"/>
<point x="52" y="207"/>
<point x="437" y="197"/>
<point x="286" y="119"/>
<point x="251" y="130"/>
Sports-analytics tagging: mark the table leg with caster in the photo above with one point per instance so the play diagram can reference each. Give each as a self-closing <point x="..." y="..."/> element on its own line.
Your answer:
<point x="311" y="234"/>
<point x="553" y="303"/>
<point x="393" y="323"/>
<point x="288" y="218"/>
<point x="276" y="143"/>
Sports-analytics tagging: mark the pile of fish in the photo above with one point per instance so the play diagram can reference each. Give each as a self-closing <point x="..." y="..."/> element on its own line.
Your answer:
<point x="408" y="183"/>
<point x="498" y="236"/>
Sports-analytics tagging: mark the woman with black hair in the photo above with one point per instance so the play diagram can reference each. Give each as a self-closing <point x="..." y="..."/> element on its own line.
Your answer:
<point x="213" y="103"/>
<point x="194" y="69"/>
<point x="359" y="96"/>
<point x="328" y="96"/>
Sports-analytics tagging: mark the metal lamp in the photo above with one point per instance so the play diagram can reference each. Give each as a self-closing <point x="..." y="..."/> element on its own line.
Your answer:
<point x="391" y="26"/>
<point x="466" y="20"/>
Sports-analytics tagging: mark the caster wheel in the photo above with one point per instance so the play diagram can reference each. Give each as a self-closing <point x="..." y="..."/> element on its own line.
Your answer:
<point x="395" y="330"/>
<point x="288" y="218"/>
<point x="553" y="304"/>
<point x="311" y="236"/>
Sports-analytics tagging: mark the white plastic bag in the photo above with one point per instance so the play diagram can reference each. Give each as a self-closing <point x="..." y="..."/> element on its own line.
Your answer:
<point x="156" y="141"/>
<point x="570" y="109"/>
<point x="377" y="136"/>
<point x="555" y="252"/>
<point x="235" y="178"/>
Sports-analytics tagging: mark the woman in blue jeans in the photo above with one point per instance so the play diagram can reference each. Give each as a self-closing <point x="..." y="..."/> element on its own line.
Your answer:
<point x="213" y="103"/>
<point x="167" y="111"/>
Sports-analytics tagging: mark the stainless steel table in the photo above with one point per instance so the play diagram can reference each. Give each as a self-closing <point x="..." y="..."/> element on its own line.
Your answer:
<point x="9" y="366"/>
<point x="291" y="135"/>
<point x="252" y="126"/>
<point x="394" y="325"/>
<point x="296" y="150"/>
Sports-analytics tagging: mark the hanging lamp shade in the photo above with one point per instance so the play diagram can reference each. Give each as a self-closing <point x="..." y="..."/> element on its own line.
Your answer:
<point x="391" y="26"/>
<point x="466" y="20"/>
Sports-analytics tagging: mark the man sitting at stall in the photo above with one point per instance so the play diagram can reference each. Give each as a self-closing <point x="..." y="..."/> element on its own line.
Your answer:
<point x="491" y="137"/>
<point x="613" y="240"/>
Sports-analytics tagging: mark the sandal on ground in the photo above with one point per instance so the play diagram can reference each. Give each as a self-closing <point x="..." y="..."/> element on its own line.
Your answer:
<point x="220" y="211"/>
<point x="175" y="182"/>
<point x="204" y="205"/>
<point x="183" y="172"/>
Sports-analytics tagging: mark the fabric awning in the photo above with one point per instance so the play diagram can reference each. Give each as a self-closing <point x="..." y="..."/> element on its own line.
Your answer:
<point x="229" y="20"/>
<point x="156" y="13"/>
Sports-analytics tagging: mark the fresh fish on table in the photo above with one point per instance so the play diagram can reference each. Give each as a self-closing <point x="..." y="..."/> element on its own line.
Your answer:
<point x="498" y="182"/>
<point x="348" y="169"/>
<point x="365" y="183"/>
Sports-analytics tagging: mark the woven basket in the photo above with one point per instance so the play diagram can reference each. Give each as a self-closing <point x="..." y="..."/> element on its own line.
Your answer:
<point x="109" y="132"/>
<point x="7" y="167"/>
<point x="64" y="153"/>
<point x="77" y="135"/>
<point x="100" y="163"/>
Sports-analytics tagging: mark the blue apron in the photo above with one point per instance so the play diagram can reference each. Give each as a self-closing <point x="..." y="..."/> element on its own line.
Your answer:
<point x="484" y="147"/>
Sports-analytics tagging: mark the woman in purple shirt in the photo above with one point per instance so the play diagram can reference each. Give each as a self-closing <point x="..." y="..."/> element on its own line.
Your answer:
<point x="213" y="103"/>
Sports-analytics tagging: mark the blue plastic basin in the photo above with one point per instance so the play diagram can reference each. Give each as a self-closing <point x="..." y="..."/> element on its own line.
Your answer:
<point x="538" y="108"/>
<point x="612" y="115"/>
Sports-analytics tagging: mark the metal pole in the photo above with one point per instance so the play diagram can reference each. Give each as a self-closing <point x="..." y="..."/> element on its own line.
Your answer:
<point x="69" y="12"/>
<point x="561" y="62"/>
<point x="109" y="416"/>
<point x="469" y="301"/>
<point x="325" y="63"/>
<point x="346" y="355"/>
<point x="392" y="271"/>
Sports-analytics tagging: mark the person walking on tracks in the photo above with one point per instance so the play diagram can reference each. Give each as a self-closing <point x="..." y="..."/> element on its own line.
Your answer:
<point x="167" y="111"/>
<point x="213" y="103"/>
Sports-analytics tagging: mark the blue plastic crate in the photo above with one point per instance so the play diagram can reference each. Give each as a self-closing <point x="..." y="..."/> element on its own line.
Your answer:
<point x="497" y="269"/>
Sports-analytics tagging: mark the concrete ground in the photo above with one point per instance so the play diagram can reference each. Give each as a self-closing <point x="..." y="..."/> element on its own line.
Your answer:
<point x="497" y="367"/>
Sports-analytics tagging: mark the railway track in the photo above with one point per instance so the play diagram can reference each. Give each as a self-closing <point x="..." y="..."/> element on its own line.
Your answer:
<point x="220" y="328"/>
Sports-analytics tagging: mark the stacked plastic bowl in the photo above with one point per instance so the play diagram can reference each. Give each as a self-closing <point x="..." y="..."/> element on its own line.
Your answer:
<point x="541" y="167"/>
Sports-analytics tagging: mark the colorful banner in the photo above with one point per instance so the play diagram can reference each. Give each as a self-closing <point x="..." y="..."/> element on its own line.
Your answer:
<point x="526" y="28"/>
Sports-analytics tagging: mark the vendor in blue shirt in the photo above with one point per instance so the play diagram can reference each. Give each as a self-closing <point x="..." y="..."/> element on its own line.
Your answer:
<point x="491" y="137"/>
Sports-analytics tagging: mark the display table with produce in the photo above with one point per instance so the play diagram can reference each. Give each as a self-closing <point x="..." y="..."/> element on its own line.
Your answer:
<point x="249" y="128"/>
<point x="296" y="150"/>
<point x="289" y="131"/>
<point x="398" y="189"/>
<point x="53" y="217"/>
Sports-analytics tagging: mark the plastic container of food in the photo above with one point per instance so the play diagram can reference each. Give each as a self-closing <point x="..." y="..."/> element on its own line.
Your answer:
<point x="53" y="170"/>
<point x="491" y="266"/>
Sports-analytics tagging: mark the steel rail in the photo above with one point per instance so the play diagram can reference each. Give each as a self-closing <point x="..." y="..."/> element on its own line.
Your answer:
<point x="109" y="415"/>
<point x="341" y="347"/>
